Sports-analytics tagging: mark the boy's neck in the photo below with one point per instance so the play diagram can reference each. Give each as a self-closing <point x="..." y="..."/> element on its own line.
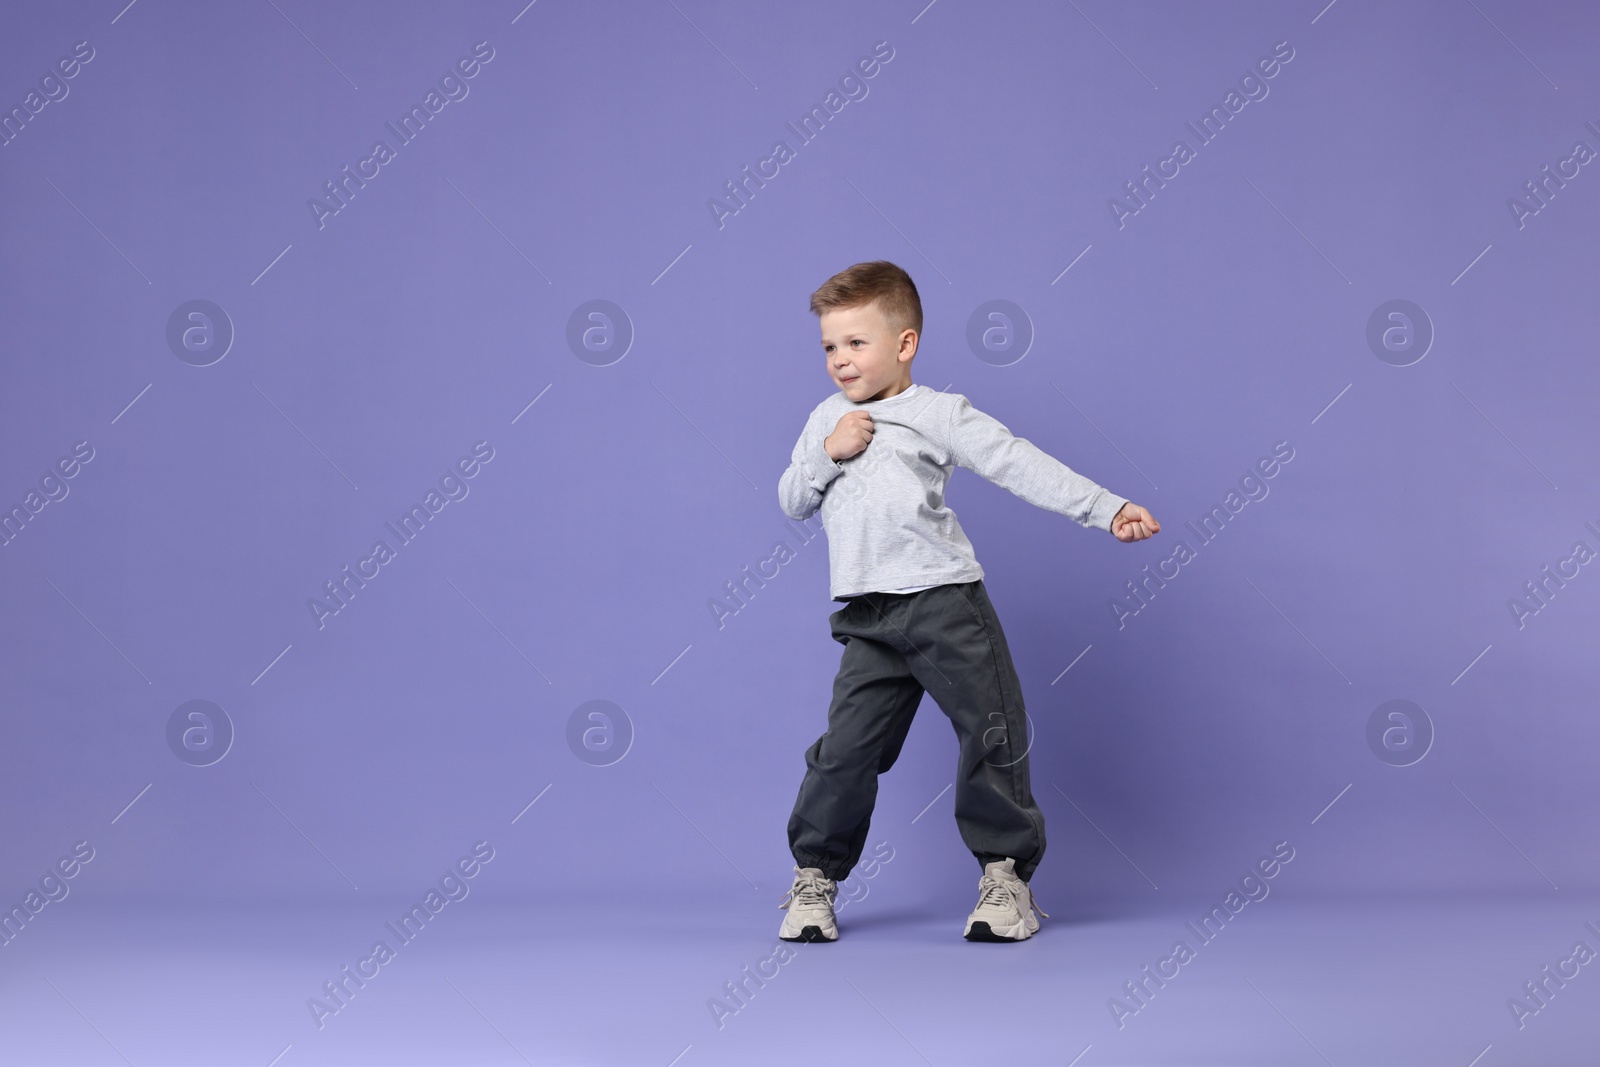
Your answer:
<point x="893" y="391"/>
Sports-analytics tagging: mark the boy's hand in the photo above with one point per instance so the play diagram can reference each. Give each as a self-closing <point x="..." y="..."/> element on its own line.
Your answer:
<point x="1133" y="523"/>
<point x="850" y="437"/>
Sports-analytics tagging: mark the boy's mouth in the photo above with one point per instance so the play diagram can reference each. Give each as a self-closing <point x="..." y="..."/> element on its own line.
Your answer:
<point x="845" y="381"/>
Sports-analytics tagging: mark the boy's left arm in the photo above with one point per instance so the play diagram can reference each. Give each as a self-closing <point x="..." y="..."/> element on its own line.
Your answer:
<point x="983" y="445"/>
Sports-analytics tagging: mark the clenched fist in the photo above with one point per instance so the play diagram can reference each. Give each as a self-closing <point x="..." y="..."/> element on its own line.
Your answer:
<point x="1133" y="523"/>
<point x="850" y="437"/>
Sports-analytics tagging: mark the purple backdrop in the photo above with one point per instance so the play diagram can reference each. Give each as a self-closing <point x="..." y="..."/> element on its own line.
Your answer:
<point x="268" y="342"/>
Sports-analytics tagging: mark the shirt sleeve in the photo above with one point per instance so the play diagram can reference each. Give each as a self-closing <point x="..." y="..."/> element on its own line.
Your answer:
<point x="810" y="471"/>
<point x="983" y="445"/>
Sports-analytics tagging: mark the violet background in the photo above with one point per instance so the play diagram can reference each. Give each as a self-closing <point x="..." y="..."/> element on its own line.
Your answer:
<point x="1229" y="314"/>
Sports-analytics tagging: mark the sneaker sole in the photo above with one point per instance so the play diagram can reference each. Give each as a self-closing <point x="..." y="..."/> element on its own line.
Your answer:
<point x="980" y="931"/>
<point x="811" y="934"/>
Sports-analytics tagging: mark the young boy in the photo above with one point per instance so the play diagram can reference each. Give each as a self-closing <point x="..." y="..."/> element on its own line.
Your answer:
<point x="874" y="458"/>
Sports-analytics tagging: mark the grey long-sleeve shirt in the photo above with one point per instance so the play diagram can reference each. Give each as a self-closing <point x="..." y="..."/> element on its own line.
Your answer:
<point x="883" y="508"/>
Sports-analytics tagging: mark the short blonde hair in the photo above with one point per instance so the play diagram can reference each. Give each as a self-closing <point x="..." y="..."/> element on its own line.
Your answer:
<point x="878" y="281"/>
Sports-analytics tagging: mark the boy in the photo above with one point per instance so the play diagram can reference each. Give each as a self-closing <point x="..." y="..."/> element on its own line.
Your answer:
<point x="874" y="458"/>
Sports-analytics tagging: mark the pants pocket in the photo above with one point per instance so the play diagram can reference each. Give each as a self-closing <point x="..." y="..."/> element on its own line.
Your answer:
<point x="967" y="593"/>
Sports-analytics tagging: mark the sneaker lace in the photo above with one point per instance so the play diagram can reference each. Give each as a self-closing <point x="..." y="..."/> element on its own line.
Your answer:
<point x="809" y="890"/>
<point x="995" y="893"/>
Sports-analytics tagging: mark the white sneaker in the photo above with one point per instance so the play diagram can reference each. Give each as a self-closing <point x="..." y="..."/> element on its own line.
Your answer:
<point x="1005" y="906"/>
<point x="810" y="902"/>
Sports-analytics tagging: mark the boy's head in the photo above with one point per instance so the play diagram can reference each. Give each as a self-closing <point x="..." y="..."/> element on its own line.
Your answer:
<point x="871" y="318"/>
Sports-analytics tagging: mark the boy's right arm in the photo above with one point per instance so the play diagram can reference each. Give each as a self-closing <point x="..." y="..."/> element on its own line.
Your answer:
<point x="810" y="471"/>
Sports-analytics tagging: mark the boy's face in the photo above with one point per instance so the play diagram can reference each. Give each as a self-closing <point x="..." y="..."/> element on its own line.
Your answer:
<point x="867" y="359"/>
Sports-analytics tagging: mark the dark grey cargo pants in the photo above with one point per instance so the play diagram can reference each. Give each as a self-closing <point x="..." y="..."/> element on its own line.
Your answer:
<point x="946" y="641"/>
